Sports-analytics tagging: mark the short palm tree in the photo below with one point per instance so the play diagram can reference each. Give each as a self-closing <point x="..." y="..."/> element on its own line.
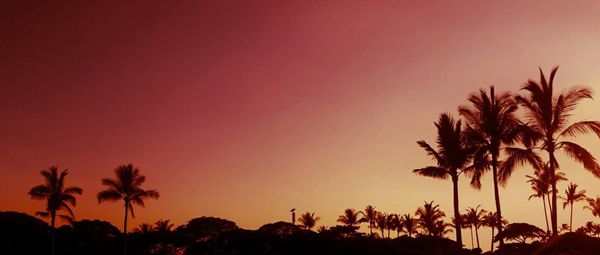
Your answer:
<point x="350" y="218"/>
<point x="452" y="157"/>
<point x="163" y="226"/>
<point x="490" y="220"/>
<point x="381" y="223"/>
<point x="369" y="216"/>
<point x="548" y="116"/>
<point x="126" y="187"/>
<point x="466" y="224"/>
<point x="144" y="228"/>
<point x="57" y="196"/>
<point x="408" y="224"/>
<point x="540" y="187"/>
<point x="391" y="223"/>
<point x="308" y="220"/>
<point x="429" y="214"/>
<point x="475" y="218"/>
<point x="572" y="195"/>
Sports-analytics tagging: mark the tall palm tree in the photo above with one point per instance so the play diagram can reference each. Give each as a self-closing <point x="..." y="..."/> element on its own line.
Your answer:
<point x="492" y="126"/>
<point x="452" y="157"/>
<point x="572" y="195"/>
<point x="475" y="218"/>
<point x="144" y="228"/>
<point x="57" y="196"/>
<point x="429" y="214"/>
<point x="381" y="223"/>
<point x="408" y="224"/>
<point x="350" y="218"/>
<point x="308" y="220"/>
<point x="548" y="116"/>
<point x="369" y="216"/>
<point x="126" y="187"/>
<point x="163" y="226"/>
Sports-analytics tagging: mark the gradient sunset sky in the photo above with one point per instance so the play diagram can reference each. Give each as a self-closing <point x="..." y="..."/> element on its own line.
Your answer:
<point x="246" y="109"/>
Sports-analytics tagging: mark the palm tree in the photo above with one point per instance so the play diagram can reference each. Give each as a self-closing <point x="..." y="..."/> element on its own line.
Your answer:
<point x="475" y="218"/>
<point x="381" y="222"/>
<point x="491" y="126"/>
<point x="441" y="228"/>
<point x="144" y="228"/>
<point x="391" y="223"/>
<point x="593" y="206"/>
<point x="467" y="224"/>
<point x="572" y="196"/>
<point x="548" y="118"/>
<point x="163" y="226"/>
<point x="408" y="224"/>
<point x="126" y="187"/>
<point x="490" y="220"/>
<point x="429" y="214"/>
<point x="369" y="216"/>
<point x="57" y="196"/>
<point x="540" y="188"/>
<point x="452" y="157"/>
<point x="350" y="218"/>
<point x="308" y="220"/>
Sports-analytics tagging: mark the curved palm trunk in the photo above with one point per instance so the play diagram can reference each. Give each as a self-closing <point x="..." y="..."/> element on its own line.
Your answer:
<point x="553" y="213"/>
<point x="497" y="195"/>
<point x="53" y="233"/>
<point x="456" y="211"/>
<point x="545" y="214"/>
<point x="477" y="236"/>
<point x="125" y="229"/>
<point x="382" y="233"/>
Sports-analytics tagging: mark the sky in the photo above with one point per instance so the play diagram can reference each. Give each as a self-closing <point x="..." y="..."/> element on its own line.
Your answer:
<point x="244" y="110"/>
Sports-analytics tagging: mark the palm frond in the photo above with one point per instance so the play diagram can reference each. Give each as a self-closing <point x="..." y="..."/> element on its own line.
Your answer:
<point x="581" y="155"/>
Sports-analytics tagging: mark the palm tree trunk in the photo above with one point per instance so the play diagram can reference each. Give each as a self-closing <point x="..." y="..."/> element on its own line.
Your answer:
<point x="472" y="244"/>
<point x="458" y="225"/>
<point x="477" y="236"/>
<point x="53" y="233"/>
<point x="497" y="194"/>
<point x="571" y="219"/>
<point x="553" y="213"/>
<point x="125" y="229"/>
<point x="546" y="214"/>
<point x="492" y="242"/>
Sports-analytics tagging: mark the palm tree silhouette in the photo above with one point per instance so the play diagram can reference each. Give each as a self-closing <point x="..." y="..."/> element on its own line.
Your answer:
<point x="429" y="214"/>
<point x="491" y="220"/>
<point x="381" y="222"/>
<point x="408" y="224"/>
<point x="126" y="187"/>
<point x="391" y="223"/>
<point x="308" y="220"/>
<point x="572" y="196"/>
<point x="144" y="228"/>
<point x="163" y="226"/>
<point x="475" y="217"/>
<point x="548" y="118"/>
<point x="540" y="188"/>
<point x="452" y="157"/>
<point x="57" y="196"/>
<point x="369" y="216"/>
<point x="466" y="224"/>
<point x="593" y="206"/>
<point x="350" y="218"/>
<point x="492" y="126"/>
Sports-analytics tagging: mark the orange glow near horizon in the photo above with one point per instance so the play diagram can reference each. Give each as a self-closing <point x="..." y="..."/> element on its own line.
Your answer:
<point x="245" y="110"/>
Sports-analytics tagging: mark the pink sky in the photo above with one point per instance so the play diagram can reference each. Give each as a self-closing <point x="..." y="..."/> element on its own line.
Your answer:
<point x="244" y="110"/>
